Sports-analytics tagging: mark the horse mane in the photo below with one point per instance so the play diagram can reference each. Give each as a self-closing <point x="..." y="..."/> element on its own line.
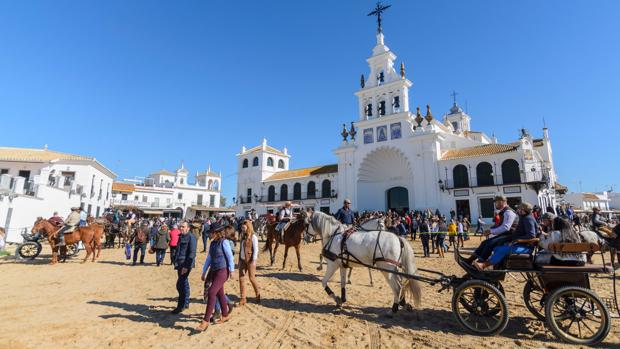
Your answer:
<point x="319" y="219"/>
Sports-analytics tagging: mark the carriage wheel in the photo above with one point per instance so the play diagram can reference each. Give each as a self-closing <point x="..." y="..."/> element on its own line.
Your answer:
<point x="480" y="307"/>
<point x="29" y="250"/>
<point x="72" y="250"/>
<point x="577" y="315"/>
<point x="534" y="298"/>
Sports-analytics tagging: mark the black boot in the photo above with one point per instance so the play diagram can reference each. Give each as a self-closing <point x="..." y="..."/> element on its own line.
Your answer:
<point x="60" y="239"/>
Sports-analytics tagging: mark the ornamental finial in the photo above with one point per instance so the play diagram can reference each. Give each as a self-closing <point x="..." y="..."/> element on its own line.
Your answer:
<point x="352" y="131"/>
<point x="429" y="115"/>
<point x="344" y="133"/>
<point x="418" y="117"/>
<point x="402" y="70"/>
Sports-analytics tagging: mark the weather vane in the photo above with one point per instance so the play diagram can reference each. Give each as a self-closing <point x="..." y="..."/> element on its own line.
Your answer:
<point x="379" y="9"/>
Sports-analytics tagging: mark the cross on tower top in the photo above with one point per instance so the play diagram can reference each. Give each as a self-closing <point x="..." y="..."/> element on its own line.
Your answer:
<point x="378" y="10"/>
<point x="454" y="94"/>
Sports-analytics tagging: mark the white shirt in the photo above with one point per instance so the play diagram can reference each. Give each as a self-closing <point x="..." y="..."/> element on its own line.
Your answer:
<point x="286" y="213"/>
<point x="254" y="249"/>
<point x="509" y="218"/>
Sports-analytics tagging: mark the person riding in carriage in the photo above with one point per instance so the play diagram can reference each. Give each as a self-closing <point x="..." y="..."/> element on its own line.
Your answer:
<point x="72" y="221"/>
<point x="284" y="218"/>
<point x="500" y="233"/>
<point x="527" y="229"/>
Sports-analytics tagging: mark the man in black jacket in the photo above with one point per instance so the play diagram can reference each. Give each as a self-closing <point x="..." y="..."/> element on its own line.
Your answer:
<point x="185" y="261"/>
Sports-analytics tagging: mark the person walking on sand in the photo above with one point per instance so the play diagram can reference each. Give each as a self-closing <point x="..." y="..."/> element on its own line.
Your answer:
<point x="248" y="255"/>
<point x="220" y="265"/>
<point x="160" y="244"/>
<point x="185" y="262"/>
<point x="174" y="240"/>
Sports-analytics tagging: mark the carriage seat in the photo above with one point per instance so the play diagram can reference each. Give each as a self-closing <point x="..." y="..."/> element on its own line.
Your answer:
<point x="522" y="260"/>
<point x="576" y="247"/>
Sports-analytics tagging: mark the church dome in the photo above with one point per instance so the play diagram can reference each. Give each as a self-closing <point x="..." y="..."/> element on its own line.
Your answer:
<point x="455" y="109"/>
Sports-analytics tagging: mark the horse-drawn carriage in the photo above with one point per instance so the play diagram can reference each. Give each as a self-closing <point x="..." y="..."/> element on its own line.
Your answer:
<point x="560" y="295"/>
<point x="32" y="245"/>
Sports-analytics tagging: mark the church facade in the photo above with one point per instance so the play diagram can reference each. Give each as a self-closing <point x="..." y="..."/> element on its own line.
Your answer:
<point x="395" y="158"/>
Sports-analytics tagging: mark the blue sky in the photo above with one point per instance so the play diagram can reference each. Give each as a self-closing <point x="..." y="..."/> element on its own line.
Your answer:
<point x="143" y="85"/>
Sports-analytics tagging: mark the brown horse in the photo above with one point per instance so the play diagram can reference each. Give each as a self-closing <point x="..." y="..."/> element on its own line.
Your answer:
<point x="90" y="236"/>
<point x="292" y="237"/>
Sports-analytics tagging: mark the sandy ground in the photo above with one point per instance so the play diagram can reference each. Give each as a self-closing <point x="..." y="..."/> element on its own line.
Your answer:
<point x="112" y="304"/>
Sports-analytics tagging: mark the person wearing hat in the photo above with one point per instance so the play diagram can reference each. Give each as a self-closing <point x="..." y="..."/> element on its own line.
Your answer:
<point x="499" y="233"/>
<point x="220" y="265"/>
<point x="284" y="218"/>
<point x="526" y="230"/>
<point x="345" y="214"/>
<point x="72" y="221"/>
<point x="600" y="226"/>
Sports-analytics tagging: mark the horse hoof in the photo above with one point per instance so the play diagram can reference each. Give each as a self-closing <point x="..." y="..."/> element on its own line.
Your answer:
<point x="319" y="268"/>
<point x="409" y="308"/>
<point x="349" y="282"/>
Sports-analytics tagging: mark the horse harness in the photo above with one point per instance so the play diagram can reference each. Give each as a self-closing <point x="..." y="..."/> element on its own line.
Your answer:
<point x="345" y="256"/>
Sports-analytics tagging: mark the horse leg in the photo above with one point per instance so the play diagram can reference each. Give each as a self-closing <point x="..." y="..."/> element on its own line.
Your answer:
<point x="394" y="285"/>
<point x="298" y="257"/>
<point x="54" y="251"/>
<point x="285" y="255"/>
<point x="331" y="269"/>
<point x="89" y="250"/>
<point x="349" y="277"/>
<point x="275" y="250"/>
<point x="320" y="267"/>
<point x="370" y="276"/>
<point x="343" y="278"/>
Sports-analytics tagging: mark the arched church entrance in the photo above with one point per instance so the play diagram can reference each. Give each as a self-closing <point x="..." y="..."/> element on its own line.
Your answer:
<point x="398" y="199"/>
<point x="384" y="180"/>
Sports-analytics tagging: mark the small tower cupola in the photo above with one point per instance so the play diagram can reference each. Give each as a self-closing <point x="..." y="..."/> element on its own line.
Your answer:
<point x="457" y="118"/>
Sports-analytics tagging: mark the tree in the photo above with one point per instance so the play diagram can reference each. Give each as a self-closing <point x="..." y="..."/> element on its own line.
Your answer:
<point x="222" y="201"/>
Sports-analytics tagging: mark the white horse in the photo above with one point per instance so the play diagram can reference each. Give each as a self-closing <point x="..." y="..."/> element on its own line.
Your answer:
<point x="368" y="247"/>
<point x="371" y="224"/>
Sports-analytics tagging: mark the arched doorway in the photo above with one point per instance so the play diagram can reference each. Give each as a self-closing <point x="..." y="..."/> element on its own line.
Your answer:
<point x="398" y="199"/>
<point x="382" y="170"/>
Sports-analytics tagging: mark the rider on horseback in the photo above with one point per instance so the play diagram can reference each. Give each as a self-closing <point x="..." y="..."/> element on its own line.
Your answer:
<point x="70" y="223"/>
<point x="284" y="218"/>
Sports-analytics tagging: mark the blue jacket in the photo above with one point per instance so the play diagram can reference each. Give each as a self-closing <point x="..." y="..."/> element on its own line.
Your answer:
<point x="526" y="229"/>
<point x="186" y="251"/>
<point x="345" y="216"/>
<point x="220" y="256"/>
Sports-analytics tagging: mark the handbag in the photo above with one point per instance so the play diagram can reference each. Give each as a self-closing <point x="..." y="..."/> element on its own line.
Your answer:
<point x="127" y="251"/>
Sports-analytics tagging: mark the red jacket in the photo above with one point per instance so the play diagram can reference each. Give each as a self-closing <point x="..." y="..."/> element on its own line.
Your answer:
<point x="174" y="237"/>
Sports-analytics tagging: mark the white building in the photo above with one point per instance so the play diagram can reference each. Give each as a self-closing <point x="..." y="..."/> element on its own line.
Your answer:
<point x="36" y="182"/>
<point x="170" y="194"/>
<point x="614" y="200"/>
<point x="587" y="201"/>
<point x="396" y="159"/>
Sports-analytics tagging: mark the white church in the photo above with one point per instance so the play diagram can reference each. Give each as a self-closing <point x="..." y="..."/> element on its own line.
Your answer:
<point x="399" y="159"/>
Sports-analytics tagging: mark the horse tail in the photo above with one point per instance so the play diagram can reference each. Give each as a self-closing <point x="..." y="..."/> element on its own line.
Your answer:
<point x="412" y="289"/>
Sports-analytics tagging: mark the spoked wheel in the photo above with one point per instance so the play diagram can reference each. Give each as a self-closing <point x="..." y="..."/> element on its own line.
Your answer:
<point x="534" y="298"/>
<point x="29" y="250"/>
<point x="480" y="307"/>
<point x="72" y="250"/>
<point x="577" y="315"/>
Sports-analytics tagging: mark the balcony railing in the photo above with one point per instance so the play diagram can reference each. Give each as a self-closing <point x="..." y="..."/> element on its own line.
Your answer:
<point x="528" y="177"/>
<point x="291" y="196"/>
